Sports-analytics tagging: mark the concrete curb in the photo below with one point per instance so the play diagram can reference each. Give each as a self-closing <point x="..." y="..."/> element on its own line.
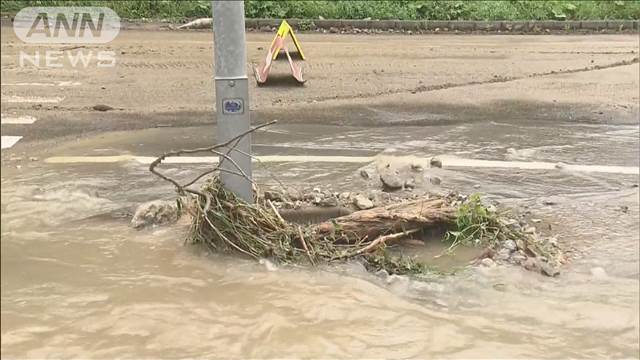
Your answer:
<point x="415" y="26"/>
<point x="418" y="26"/>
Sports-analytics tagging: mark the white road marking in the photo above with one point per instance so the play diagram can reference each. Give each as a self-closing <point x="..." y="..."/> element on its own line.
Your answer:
<point x="447" y="161"/>
<point x="202" y="159"/>
<point x="59" y="83"/>
<point x="537" y="165"/>
<point x="9" y="141"/>
<point x="32" y="99"/>
<point x="5" y="119"/>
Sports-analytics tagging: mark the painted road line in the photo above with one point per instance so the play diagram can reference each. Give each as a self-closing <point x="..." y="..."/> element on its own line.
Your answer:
<point x="447" y="161"/>
<point x="451" y="161"/>
<point x="5" y="119"/>
<point x="203" y="159"/>
<point x="32" y="99"/>
<point x="59" y="83"/>
<point x="9" y="141"/>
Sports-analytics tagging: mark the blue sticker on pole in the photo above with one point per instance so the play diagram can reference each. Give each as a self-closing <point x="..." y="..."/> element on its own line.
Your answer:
<point x="232" y="106"/>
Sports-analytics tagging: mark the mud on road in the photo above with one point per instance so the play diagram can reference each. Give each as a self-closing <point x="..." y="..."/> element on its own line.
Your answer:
<point x="165" y="78"/>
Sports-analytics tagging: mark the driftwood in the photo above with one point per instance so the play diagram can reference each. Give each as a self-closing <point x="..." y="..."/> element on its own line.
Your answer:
<point x="203" y="23"/>
<point x="424" y="213"/>
<point x="223" y="222"/>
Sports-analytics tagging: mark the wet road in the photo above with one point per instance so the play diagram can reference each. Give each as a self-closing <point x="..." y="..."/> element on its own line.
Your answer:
<point x="85" y="286"/>
<point x="77" y="281"/>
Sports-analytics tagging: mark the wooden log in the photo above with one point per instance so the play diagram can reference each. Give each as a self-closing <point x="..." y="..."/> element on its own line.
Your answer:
<point x="423" y="213"/>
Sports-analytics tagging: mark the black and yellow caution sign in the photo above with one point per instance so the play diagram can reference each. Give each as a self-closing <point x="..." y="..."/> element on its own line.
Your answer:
<point x="262" y="72"/>
<point x="284" y="30"/>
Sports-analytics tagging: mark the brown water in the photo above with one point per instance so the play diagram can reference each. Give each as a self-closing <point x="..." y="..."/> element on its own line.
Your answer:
<point x="76" y="285"/>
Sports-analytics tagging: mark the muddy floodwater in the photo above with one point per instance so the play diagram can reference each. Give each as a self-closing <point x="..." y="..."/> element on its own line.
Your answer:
<point x="77" y="281"/>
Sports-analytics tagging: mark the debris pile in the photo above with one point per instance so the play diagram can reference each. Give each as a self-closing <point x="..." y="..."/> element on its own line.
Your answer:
<point x="225" y="223"/>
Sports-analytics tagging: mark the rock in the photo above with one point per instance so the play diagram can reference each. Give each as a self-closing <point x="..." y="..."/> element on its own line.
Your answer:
<point x="510" y="245"/>
<point x="531" y="264"/>
<point x="487" y="262"/>
<point x="435" y="162"/>
<point x="435" y="180"/>
<point x="410" y="183"/>
<point x="503" y="254"/>
<point x="270" y="266"/>
<point x="344" y="195"/>
<point x="476" y="186"/>
<point x="102" y="107"/>
<point x="499" y="286"/>
<point x="530" y="230"/>
<point x="33" y="158"/>
<point x="599" y="273"/>
<point x="382" y="273"/>
<point x="158" y="212"/>
<point x="522" y="245"/>
<point x="329" y="201"/>
<point x="548" y="269"/>
<point x="273" y="195"/>
<point x="308" y="196"/>
<point x="551" y="200"/>
<point x="334" y="30"/>
<point x="536" y="221"/>
<point x="362" y="202"/>
<point x="417" y="168"/>
<point x="391" y="180"/>
<point x="518" y="258"/>
<point x="366" y="174"/>
<point x="553" y="241"/>
<point x="294" y="194"/>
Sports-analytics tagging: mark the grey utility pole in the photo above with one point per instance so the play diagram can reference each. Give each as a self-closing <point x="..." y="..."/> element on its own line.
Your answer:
<point x="232" y="92"/>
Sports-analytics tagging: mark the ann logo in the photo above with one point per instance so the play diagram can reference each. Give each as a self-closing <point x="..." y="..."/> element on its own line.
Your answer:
<point x="65" y="25"/>
<point x="74" y="28"/>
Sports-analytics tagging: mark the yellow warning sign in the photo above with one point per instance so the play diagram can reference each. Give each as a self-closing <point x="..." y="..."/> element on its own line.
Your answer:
<point x="284" y="30"/>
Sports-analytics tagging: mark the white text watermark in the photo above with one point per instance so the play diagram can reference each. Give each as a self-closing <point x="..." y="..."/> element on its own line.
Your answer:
<point x="67" y="25"/>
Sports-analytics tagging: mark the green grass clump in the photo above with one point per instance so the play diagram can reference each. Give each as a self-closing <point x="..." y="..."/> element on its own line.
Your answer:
<point x="359" y="9"/>
<point x="477" y="225"/>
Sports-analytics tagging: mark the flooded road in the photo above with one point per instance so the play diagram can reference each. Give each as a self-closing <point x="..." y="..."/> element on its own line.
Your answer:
<point x="77" y="281"/>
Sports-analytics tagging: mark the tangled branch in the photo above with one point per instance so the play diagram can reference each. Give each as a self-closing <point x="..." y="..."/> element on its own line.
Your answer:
<point x="223" y="222"/>
<point x="182" y="189"/>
